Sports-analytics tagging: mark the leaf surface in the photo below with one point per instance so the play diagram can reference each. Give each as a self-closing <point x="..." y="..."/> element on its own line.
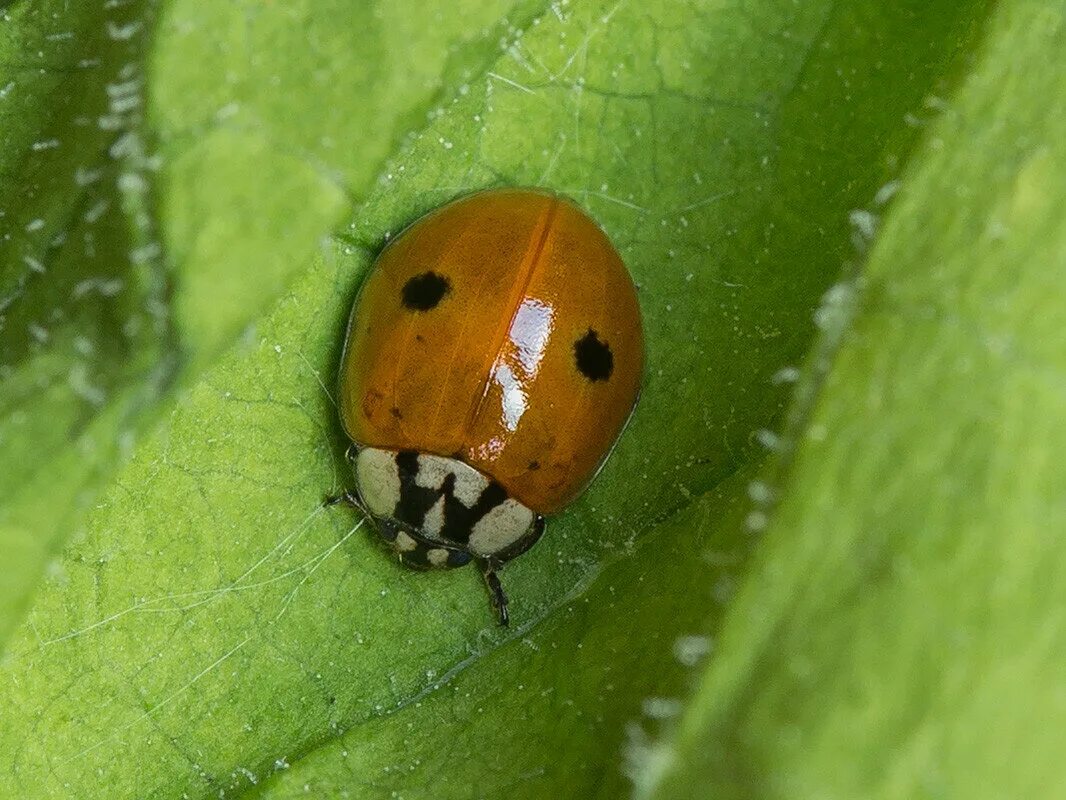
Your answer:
<point x="213" y="625"/>
<point x="902" y="631"/>
<point x="162" y="186"/>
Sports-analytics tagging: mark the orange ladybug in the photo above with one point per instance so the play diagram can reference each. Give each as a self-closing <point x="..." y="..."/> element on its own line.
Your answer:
<point x="493" y="356"/>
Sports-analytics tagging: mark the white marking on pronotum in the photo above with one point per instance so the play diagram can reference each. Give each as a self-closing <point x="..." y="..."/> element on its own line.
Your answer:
<point x="433" y="522"/>
<point x="378" y="480"/>
<point x="432" y="470"/>
<point x="501" y="527"/>
<point x="469" y="485"/>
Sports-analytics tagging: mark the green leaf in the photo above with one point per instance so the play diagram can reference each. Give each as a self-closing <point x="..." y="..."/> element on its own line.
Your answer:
<point x="211" y="624"/>
<point x="153" y="211"/>
<point x="902" y="631"/>
<point x="85" y="339"/>
<point x="272" y="121"/>
<point x="559" y="685"/>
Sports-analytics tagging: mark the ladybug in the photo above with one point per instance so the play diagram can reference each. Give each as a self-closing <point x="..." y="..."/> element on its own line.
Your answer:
<point x="493" y="356"/>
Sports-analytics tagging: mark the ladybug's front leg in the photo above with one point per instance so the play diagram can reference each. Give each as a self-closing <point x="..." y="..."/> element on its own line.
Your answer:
<point x="496" y="593"/>
<point x="347" y="497"/>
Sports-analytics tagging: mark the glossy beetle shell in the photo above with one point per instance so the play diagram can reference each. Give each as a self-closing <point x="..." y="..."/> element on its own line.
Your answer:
<point x="502" y="330"/>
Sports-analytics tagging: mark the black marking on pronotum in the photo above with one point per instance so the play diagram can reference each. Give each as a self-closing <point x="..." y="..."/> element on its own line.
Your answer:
<point x="424" y="291"/>
<point x="593" y="357"/>
<point x="416" y="501"/>
<point x="459" y="520"/>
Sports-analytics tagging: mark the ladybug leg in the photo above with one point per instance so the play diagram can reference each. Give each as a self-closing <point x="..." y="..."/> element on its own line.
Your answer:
<point x="349" y="498"/>
<point x="496" y="593"/>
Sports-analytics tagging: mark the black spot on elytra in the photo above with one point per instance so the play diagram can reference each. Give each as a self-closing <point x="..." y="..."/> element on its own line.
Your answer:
<point x="423" y="292"/>
<point x="533" y="465"/>
<point x="594" y="358"/>
<point x="396" y="412"/>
